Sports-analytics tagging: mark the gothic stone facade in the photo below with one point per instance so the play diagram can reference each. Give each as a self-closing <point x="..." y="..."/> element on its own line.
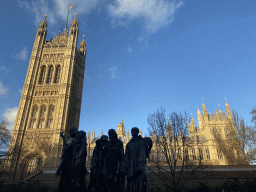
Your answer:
<point x="214" y="141"/>
<point x="50" y="101"/>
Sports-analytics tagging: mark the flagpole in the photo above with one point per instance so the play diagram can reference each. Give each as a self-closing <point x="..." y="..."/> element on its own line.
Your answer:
<point x="67" y="17"/>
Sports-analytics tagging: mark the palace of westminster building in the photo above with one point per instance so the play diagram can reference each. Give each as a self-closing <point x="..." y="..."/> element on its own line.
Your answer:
<point x="51" y="103"/>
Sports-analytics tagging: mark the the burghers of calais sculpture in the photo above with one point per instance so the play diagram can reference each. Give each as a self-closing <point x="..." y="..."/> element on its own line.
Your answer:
<point x="72" y="167"/>
<point x="98" y="166"/>
<point x="115" y="160"/>
<point x="137" y="149"/>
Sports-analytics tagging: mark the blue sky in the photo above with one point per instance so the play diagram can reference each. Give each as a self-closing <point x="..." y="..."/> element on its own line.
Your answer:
<point x="141" y="54"/>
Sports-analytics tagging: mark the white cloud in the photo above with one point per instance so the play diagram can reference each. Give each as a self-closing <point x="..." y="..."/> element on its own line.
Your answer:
<point x="3" y="89"/>
<point x="23" y="54"/>
<point x="20" y="91"/>
<point x="4" y="70"/>
<point x="57" y="9"/>
<point x="10" y="116"/>
<point x="38" y="9"/>
<point x="113" y="72"/>
<point x="156" y="13"/>
<point x="130" y="49"/>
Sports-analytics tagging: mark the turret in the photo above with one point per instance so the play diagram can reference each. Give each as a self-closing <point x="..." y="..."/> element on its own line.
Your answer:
<point x="89" y="135"/>
<point x="192" y="126"/>
<point x="42" y="27"/>
<point x="205" y="115"/>
<point x="101" y="132"/>
<point x="120" y="129"/>
<point x="220" y="112"/>
<point x="228" y="110"/>
<point x="73" y="31"/>
<point x="169" y="132"/>
<point x="140" y="133"/>
<point x="128" y="135"/>
<point x="93" y="134"/>
<point x="217" y="115"/>
<point x="199" y="117"/>
<point x="154" y="134"/>
<point x="82" y="49"/>
<point x="36" y="54"/>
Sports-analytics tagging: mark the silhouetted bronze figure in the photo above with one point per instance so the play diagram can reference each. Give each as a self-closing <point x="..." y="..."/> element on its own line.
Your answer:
<point x="137" y="149"/>
<point x="72" y="167"/>
<point x="115" y="163"/>
<point x="98" y="180"/>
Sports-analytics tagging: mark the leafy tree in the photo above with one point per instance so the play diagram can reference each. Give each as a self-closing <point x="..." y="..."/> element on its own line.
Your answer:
<point x="173" y="145"/>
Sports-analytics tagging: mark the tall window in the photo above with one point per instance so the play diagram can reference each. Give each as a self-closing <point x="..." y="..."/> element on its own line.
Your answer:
<point x="207" y="153"/>
<point x="186" y="154"/>
<point x="179" y="154"/>
<point x="197" y="139"/>
<point x="50" y="74"/>
<point x="201" y="153"/>
<point x="219" y="154"/>
<point x="226" y="133"/>
<point x="194" y="152"/>
<point x="50" y="117"/>
<point x="215" y="133"/>
<point x="42" y="75"/>
<point x="57" y="75"/>
<point x="33" y="117"/>
<point x="231" y="151"/>
<point x="42" y="117"/>
<point x="173" y="154"/>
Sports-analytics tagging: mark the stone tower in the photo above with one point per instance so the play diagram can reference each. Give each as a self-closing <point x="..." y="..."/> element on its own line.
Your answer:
<point x="120" y="129"/>
<point x="50" y="102"/>
<point x="217" y="137"/>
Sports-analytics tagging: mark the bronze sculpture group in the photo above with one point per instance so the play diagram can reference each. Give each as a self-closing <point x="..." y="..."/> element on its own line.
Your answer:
<point x="109" y="164"/>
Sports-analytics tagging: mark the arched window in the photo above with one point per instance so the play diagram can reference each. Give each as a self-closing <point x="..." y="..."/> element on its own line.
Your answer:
<point x="33" y="117"/>
<point x="219" y="152"/>
<point x="33" y="166"/>
<point x="57" y="75"/>
<point x="50" y="74"/>
<point x="42" y="117"/>
<point x="42" y="75"/>
<point x="50" y="117"/>
<point x="215" y="133"/>
<point x="226" y="133"/>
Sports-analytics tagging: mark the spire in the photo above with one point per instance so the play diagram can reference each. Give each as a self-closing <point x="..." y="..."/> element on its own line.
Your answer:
<point x="122" y="120"/>
<point x="43" y="23"/>
<point x="169" y="129"/>
<point x="204" y="108"/>
<point x="198" y="112"/>
<point x="228" y="110"/>
<point x="93" y="133"/>
<point x="82" y="48"/>
<point x="75" y="22"/>
<point x="101" y="133"/>
<point x="89" y="134"/>
<point x="219" y="109"/>
<point x="140" y="133"/>
<point x="217" y="114"/>
<point x="192" y="120"/>
<point x="226" y="104"/>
